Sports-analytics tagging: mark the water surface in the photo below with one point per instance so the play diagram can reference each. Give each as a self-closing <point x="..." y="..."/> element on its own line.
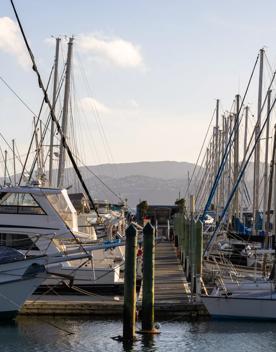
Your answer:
<point x="47" y="334"/>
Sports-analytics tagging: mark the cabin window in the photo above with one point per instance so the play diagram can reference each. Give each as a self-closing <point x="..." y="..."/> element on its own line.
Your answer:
<point x="19" y="203"/>
<point x="17" y="241"/>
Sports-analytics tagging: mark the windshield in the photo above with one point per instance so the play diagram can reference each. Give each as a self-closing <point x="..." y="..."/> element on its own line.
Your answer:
<point x="19" y="203"/>
<point x="62" y="208"/>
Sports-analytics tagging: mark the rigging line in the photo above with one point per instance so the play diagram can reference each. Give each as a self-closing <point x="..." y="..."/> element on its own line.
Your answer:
<point x="33" y="136"/>
<point x="53" y="116"/>
<point x="85" y="114"/>
<point x="270" y="184"/>
<point x="17" y="95"/>
<point x="5" y="166"/>
<point x="200" y="174"/>
<point x="10" y="159"/>
<point x="7" y="143"/>
<point x="18" y="154"/>
<point x="99" y="179"/>
<point x="200" y="171"/>
<point x="242" y="170"/>
<point x="199" y="155"/>
<point x="205" y="174"/>
<point x="98" y="119"/>
<point x="59" y="281"/>
<point x="229" y="144"/>
<point x="46" y="125"/>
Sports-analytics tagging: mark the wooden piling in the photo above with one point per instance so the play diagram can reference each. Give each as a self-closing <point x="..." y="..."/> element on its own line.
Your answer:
<point x="129" y="312"/>
<point x="198" y="256"/>
<point x="148" y="280"/>
<point x="193" y="256"/>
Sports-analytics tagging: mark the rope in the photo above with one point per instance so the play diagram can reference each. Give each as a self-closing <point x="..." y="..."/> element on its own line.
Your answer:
<point x="53" y="116"/>
<point x="196" y="164"/>
<point x="33" y="136"/>
<point x="99" y="179"/>
<point x="17" y="95"/>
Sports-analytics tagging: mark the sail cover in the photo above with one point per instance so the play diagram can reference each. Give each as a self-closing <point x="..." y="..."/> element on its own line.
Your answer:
<point x="8" y="255"/>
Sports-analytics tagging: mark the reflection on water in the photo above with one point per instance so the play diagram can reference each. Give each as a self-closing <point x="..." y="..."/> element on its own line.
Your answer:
<point x="47" y="334"/>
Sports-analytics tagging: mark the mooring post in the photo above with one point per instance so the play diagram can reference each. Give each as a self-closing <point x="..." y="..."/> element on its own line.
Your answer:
<point x="129" y="315"/>
<point x="182" y="229"/>
<point x="193" y="249"/>
<point x="188" y="257"/>
<point x="148" y="280"/>
<point x="193" y="243"/>
<point x="198" y="256"/>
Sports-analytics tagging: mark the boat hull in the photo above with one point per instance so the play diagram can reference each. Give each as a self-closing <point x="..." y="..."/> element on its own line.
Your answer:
<point x="240" y="308"/>
<point x="13" y="294"/>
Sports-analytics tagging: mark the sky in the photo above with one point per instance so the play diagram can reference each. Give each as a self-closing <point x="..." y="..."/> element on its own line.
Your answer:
<point x="146" y="73"/>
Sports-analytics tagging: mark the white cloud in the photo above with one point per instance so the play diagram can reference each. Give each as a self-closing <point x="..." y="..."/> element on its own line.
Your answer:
<point x="134" y="104"/>
<point x="50" y="41"/>
<point x="116" y="51"/>
<point x="11" y="41"/>
<point x="89" y="104"/>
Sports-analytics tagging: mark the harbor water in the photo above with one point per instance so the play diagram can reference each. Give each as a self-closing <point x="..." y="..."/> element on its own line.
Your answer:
<point x="47" y="334"/>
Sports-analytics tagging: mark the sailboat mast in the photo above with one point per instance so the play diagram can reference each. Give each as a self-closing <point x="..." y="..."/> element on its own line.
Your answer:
<point x="230" y="126"/>
<point x="236" y="157"/>
<point x="245" y="131"/>
<point x="13" y="157"/>
<point x="37" y="148"/>
<point x="54" y="104"/>
<point x="257" y="149"/>
<point x="41" y="146"/>
<point x="274" y="190"/>
<point x="223" y="145"/>
<point x="216" y="154"/>
<point x="5" y="167"/>
<point x="244" y="158"/>
<point x="61" y="168"/>
<point x="266" y="158"/>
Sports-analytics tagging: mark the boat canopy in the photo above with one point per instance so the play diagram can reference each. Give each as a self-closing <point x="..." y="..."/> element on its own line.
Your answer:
<point x="9" y="255"/>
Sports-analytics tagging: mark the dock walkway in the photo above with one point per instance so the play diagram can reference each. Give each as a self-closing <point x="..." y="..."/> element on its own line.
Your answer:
<point x="172" y="294"/>
<point x="170" y="283"/>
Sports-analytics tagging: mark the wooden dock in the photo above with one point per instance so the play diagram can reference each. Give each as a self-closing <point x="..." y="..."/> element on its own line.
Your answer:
<point x="170" y="283"/>
<point x="172" y="294"/>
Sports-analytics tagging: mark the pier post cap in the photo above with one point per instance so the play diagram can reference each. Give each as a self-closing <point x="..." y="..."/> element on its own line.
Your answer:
<point x="148" y="229"/>
<point x="199" y="223"/>
<point x="131" y="231"/>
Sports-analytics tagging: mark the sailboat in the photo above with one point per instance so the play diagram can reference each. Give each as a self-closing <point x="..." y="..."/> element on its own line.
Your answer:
<point x="251" y="297"/>
<point x="246" y="299"/>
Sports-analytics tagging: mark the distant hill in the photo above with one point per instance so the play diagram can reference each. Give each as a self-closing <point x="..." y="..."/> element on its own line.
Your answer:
<point x="159" y="169"/>
<point x="136" y="188"/>
<point x="157" y="182"/>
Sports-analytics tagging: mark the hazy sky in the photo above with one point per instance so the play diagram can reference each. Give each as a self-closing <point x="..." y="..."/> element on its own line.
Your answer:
<point x="150" y="69"/>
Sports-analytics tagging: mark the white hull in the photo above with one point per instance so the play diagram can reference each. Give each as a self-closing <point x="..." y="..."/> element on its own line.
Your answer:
<point x="13" y="294"/>
<point x="241" y="307"/>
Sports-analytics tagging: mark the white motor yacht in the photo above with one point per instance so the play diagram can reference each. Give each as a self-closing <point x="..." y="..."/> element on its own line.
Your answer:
<point x="38" y="221"/>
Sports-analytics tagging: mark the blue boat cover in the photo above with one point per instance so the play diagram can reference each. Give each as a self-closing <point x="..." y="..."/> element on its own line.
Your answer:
<point x="8" y="255"/>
